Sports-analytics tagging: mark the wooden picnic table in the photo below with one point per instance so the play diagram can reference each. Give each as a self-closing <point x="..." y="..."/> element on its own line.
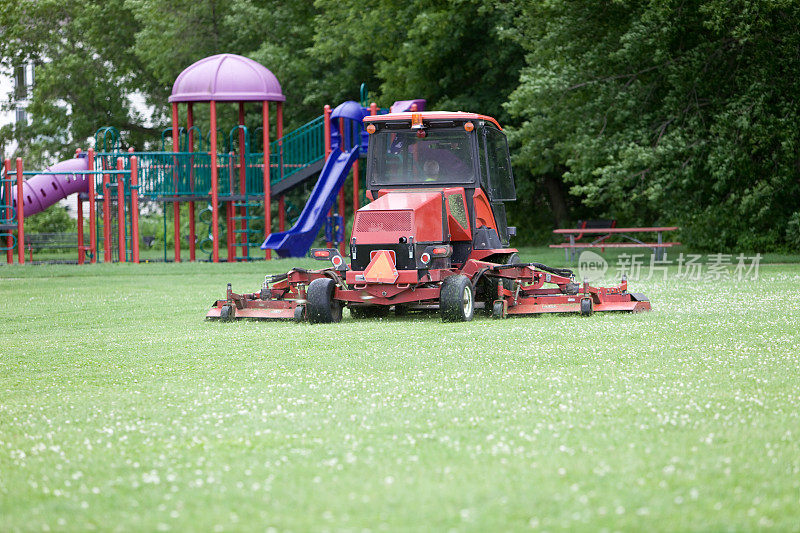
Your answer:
<point x="605" y="233"/>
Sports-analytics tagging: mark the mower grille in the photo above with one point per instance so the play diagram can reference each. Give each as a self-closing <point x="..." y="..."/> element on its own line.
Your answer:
<point x="389" y="221"/>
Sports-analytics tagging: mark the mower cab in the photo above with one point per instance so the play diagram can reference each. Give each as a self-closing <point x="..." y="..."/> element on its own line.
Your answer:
<point x="434" y="236"/>
<point x="438" y="182"/>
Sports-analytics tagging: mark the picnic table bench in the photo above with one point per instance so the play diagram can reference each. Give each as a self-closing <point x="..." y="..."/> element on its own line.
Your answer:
<point x="604" y="233"/>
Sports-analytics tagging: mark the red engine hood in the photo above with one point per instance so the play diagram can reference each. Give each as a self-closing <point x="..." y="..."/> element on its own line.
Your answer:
<point x="416" y="214"/>
<point x="399" y="200"/>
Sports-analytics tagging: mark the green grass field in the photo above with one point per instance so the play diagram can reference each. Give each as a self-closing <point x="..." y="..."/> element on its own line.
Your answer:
<point x="122" y="409"/>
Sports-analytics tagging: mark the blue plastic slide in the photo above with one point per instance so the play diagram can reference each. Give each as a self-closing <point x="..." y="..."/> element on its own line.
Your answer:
<point x="297" y="241"/>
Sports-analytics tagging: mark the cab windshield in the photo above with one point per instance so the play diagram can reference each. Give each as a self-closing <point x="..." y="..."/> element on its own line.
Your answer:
<point x="400" y="157"/>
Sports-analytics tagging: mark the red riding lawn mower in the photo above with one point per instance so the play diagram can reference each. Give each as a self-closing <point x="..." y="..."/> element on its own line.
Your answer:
<point x="433" y="237"/>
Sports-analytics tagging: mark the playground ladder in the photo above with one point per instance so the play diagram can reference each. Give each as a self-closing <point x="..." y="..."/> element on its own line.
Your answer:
<point x="243" y="234"/>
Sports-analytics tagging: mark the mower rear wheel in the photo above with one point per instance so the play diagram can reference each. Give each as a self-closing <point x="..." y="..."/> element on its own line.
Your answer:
<point x="321" y="308"/>
<point x="456" y="299"/>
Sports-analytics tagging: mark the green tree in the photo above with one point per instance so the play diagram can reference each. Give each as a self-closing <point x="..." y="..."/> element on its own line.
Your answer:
<point x="450" y="52"/>
<point x="84" y="71"/>
<point x="666" y="112"/>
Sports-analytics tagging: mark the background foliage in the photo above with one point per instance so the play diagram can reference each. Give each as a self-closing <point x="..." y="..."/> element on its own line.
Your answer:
<point x="54" y="219"/>
<point x="650" y="112"/>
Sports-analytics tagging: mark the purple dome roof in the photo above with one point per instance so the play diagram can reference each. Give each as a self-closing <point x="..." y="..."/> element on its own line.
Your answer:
<point x="226" y="78"/>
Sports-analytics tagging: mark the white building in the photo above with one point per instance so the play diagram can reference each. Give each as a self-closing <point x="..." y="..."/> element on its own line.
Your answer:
<point x="15" y="91"/>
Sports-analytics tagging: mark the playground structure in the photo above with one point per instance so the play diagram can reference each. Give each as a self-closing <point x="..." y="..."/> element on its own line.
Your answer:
<point x="238" y="175"/>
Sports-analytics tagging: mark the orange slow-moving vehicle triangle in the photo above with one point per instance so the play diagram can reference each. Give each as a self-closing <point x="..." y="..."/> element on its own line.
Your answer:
<point x="381" y="269"/>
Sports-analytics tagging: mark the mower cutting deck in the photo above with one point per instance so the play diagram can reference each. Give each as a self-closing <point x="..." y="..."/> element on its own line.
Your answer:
<point x="434" y="237"/>
<point x="521" y="289"/>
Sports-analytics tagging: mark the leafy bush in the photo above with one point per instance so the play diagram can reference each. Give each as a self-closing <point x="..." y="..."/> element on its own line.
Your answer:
<point x="54" y="219"/>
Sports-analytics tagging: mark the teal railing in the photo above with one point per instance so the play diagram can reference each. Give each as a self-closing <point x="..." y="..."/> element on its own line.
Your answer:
<point x="106" y="139"/>
<point x="183" y="173"/>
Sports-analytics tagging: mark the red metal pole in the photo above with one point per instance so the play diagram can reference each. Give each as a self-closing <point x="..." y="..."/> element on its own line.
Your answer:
<point x="121" y="210"/>
<point x="176" y="206"/>
<point x="20" y="214"/>
<point x="134" y="209"/>
<point x="192" y="229"/>
<point x="229" y="212"/>
<point x="176" y="214"/>
<point x="7" y="186"/>
<point x="229" y="227"/>
<point x="106" y="220"/>
<point x="279" y="134"/>
<point x="327" y="128"/>
<point x="214" y="184"/>
<point x="80" y="230"/>
<point x="281" y="213"/>
<point x="267" y="169"/>
<point x="92" y="209"/>
<point x="341" y="192"/>
<point x="242" y="180"/>
<point x="373" y="109"/>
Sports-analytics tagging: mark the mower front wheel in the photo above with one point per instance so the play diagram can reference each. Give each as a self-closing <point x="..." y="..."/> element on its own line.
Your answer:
<point x="457" y="299"/>
<point x="321" y="308"/>
<point x="499" y="309"/>
<point x="227" y="312"/>
<point x="586" y="307"/>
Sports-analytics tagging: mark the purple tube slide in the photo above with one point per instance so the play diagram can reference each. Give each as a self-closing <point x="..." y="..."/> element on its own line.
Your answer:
<point x="43" y="190"/>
